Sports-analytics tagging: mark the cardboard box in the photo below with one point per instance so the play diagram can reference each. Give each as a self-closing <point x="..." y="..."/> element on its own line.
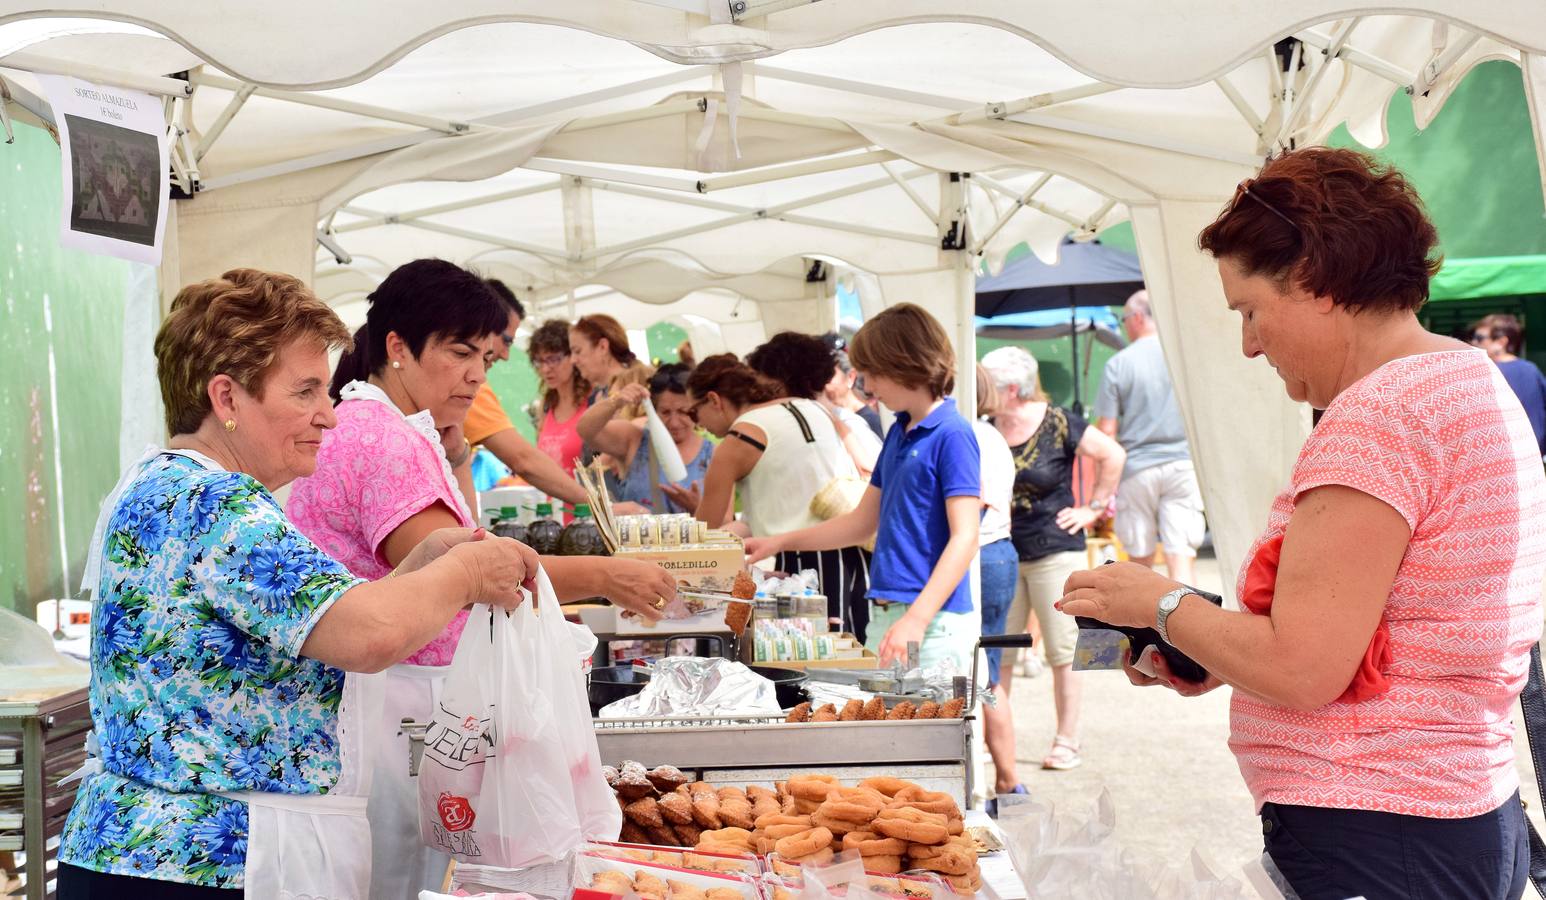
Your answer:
<point x="867" y="660"/>
<point x="696" y="567"/>
<point x="610" y="620"/>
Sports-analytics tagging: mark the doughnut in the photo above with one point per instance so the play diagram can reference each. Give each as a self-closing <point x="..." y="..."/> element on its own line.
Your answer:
<point x="738" y="838"/>
<point x="952" y="709"/>
<point x="885" y="784"/>
<point x="929" y="801"/>
<point x="764" y="802"/>
<point x="903" y="710"/>
<point x="853" y="804"/>
<point x="779" y="832"/>
<point x="929" y="710"/>
<point x="873" y="710"/>
<point x="676" y="808"/>
<point x="868" y="843"/>
<point x="955" y="826"/>
<point x="912" y="825"/>
<point x="838" y="827"/>
<point x="952" y="860"/>
<point x="819" y="858"/>
<point x="812" y="787"/>
<point x="801" y="713"/>
<point x="765" y="822"/>
<point x="883" y="865"/>
<point x="645" y="811"/>
<point x="798" y="846"/>
<point x="851" y="710"/>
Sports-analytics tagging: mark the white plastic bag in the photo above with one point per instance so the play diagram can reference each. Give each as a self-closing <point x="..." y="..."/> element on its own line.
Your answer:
<point x="511" y="776"/>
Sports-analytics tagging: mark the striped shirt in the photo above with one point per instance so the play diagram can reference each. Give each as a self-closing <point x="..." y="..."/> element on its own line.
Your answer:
<point x="1441" y="438"/>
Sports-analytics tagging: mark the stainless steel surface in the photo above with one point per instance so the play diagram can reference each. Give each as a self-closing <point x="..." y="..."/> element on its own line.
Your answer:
<point x="45" y="737"/>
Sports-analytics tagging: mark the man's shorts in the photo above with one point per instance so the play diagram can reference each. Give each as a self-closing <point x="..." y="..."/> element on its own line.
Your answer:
<point x="1161" y="503"/>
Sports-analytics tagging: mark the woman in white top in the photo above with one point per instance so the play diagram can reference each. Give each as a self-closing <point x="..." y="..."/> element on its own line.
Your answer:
<point x="1000" y="568"/>
<point x="781" y="451"/>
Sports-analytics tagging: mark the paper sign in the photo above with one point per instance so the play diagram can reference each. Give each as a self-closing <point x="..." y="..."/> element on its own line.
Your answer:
<point x="115" y="168"/>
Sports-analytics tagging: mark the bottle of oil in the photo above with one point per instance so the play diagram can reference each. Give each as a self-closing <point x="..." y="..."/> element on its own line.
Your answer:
<point x="507" y="523"/>
<point x="543" y="532"/>
<point x="581" y="537"/>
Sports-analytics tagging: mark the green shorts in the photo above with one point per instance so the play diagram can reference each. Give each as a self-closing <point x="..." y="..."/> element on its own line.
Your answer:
<point x="950" y="636"/>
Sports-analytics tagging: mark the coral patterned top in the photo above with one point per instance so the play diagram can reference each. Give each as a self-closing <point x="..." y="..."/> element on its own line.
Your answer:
<point x="1442" y="439"/>
<point x="375" y="470"/>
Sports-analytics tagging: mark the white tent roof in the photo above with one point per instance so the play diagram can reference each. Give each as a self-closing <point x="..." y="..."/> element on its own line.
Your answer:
<point x="683" y="152"/>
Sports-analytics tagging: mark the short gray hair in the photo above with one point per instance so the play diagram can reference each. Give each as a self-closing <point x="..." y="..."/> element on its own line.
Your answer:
<point x="1014" y="367"/>
<point x="1139" y="303"/>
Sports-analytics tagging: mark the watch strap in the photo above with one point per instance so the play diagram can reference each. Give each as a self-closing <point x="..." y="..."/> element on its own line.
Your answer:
<point x="1165" y="609"/>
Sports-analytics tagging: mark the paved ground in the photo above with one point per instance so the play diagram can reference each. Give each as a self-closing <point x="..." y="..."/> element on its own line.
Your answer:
<point x="1164" y="759"/>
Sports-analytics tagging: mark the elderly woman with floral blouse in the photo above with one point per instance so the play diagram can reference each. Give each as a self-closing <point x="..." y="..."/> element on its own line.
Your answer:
<point x="225" y="644"/>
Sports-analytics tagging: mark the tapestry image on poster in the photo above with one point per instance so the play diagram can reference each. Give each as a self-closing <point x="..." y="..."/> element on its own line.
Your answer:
<point x="117" y="177"/>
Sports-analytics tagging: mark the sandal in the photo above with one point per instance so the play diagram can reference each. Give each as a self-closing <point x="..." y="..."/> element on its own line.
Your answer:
<point x="1064" y="755"/>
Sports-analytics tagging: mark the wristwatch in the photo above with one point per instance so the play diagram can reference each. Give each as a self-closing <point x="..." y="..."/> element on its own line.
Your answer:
<point x="1098" y="505"/>
<point x="1167" y="605"/>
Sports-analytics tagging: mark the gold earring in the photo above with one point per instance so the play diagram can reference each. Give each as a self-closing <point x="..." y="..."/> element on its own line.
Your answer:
<point x="396" y="364"/>
<point x="230" y="424"/>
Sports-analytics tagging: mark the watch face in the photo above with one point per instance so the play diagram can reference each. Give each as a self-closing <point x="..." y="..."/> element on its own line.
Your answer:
<point x="1170" y="602"/>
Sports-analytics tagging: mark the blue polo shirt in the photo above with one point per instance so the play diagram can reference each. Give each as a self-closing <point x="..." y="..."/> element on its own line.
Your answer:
<point x="917" y="471"/>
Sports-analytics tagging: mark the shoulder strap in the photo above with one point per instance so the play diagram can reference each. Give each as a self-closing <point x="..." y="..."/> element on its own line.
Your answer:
<point x="805" y="427"/>
<point x="736" y="433"/>
<point x="1532" y="700"/>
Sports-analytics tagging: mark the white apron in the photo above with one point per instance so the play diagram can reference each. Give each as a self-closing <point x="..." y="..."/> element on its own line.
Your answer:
<point x="299" y="846"/>
<point x="401" y="865"/>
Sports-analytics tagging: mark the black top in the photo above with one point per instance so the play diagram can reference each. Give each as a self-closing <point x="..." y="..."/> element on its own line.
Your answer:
<point x="872" y="419"/>
<point x="1044" y="468"/>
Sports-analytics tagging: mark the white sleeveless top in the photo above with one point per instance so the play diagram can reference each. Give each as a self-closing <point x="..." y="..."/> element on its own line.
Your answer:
<point x="800" y="459"/>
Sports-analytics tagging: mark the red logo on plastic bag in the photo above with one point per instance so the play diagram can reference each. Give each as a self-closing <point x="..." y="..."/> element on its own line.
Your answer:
<point x="455" y="812"/>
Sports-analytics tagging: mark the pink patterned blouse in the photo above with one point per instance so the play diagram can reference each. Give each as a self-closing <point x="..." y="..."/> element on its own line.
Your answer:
<point x="1442" y="439"/>
<point x="375" y="470"/>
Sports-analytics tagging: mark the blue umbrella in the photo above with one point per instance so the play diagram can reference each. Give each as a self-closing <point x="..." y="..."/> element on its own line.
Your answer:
<point x="1087" y="274"/>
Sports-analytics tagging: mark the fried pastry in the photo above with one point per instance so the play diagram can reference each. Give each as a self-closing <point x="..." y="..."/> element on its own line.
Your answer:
<point x="851" y="710"/>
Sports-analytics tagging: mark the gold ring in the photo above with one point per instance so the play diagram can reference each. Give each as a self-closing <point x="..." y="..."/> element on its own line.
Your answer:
<point x="660" y="602"/>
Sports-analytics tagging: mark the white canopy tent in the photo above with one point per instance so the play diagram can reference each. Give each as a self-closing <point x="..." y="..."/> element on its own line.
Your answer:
<point x="727" y="160"/>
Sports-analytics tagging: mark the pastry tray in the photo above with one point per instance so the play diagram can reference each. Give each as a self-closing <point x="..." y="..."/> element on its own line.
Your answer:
<point x="768" y="741"/>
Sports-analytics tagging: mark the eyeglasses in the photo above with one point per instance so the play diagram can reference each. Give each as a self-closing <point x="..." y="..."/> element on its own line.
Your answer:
<point x="552" y="359"/>
<point x="1480" y="337"/>
<point x="692" y="408"/>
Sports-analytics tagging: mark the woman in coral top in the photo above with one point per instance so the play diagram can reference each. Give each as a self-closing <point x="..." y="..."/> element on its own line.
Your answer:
<point x="1390" y="606"/>
<point x="565" y="393"/>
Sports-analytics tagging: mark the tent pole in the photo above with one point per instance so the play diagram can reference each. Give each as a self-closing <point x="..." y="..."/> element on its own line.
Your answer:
<point x="1073" y="342"/>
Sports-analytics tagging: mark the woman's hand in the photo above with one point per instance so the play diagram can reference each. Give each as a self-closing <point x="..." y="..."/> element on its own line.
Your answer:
<point x="893" y="647"/>
<point x="1163" y="676"/>
<point x="631" y="394"/>
<point x="435" y="545"/>
<point x="454" y="441"/>
<point x="640" y="587"/>
<point x="760" y="548"/>
<point x="687" y="497"/>
<point x="1074" y="519"/>
<point x="1125" y="594"/>
<point x="497" y="569"/>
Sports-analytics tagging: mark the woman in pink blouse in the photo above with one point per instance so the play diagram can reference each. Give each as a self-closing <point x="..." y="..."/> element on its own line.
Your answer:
<point x="390" y="473"/>
<point x="1390" y="606"/>
<point x="565" y="393"/>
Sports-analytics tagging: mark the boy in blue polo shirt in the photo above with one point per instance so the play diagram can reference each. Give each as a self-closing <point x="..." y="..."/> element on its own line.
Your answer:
<point x="924" y="500"/>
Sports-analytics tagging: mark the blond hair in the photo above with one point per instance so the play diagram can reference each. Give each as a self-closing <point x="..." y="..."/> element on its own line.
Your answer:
<point x="234" y="325"/>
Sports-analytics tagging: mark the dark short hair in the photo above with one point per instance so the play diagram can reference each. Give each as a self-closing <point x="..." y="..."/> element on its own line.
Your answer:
<point x="421" y="300"/>
<point x="503" y="292"/>
<point x="670" y="378"/>
<point x="1334" y="222"/>
<point x="802" y="363"/>
<point x="552" y="336"/>
<point x="907" y="345"/>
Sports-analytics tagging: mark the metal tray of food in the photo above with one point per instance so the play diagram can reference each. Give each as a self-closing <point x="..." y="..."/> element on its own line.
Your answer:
<point x="691" y="742"/>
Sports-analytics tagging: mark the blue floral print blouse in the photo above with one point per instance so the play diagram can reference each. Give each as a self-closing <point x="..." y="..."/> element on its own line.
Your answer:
<point x="207" y="594"/>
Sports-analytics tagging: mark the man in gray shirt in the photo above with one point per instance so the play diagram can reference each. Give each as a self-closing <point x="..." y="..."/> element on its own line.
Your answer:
<point x="1158" y="502"/>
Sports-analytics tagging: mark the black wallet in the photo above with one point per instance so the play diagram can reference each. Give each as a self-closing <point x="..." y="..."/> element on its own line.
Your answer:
<point x="1139" y="639"/>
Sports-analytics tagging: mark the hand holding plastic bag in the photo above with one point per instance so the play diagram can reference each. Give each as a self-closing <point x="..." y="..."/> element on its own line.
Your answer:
<point x="511" y="776"/>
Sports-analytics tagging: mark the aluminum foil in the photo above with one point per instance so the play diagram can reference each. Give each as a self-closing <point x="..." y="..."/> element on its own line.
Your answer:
<point x="689" y="686"/>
